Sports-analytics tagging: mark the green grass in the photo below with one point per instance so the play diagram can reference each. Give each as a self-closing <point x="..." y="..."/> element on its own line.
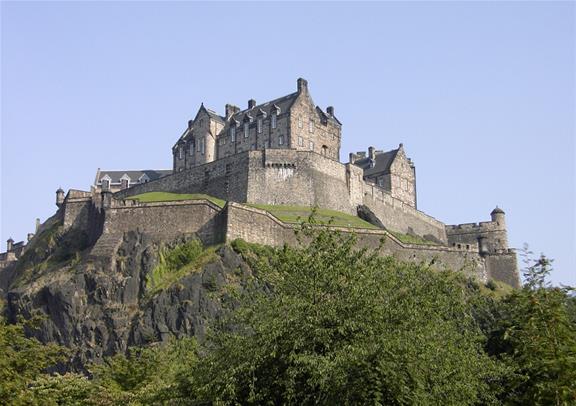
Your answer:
<point x="411" y="239"/>
<point x="152" y="197"/>
<point x="177" y="262"/>
<point x="296" y="214"/>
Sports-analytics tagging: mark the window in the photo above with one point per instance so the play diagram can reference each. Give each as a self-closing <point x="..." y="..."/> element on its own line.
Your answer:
<point x="311" y="145"/>
<point x="246" y="129"/>
<point x="301" y="141"/>
<point x="273" y="120"/>
<point x="324" y="150"/>
<point x="202" y="146"/>
<point x="299" y="122"/>
<point x="191" y="148"/>
<point x="280" y="139"/>
<point x="124" y="184"/>
<point x="259" y="125"/>
<point x="180" y="153"/>
<point x="105" y="184"/>
<point x="233" y="133"/>
<point x="311" y="126"/>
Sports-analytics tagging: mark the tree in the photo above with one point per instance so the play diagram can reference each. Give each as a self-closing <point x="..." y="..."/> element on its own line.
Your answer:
<point x="328" y="323"/>
<point x="22" y="360"/>
<point x="537" y="337"/>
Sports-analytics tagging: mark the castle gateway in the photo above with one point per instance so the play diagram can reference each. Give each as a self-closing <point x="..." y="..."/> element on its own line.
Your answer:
<point x="284" y="152"/>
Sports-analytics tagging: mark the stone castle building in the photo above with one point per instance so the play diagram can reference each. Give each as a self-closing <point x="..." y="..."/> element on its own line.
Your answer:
<point x="283" y="152"/>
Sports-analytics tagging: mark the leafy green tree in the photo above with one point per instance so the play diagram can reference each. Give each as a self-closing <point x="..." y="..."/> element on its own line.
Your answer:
<point x="537" y="337"/>
<point x="328" y="323"/>
<point x="22" y="360"/>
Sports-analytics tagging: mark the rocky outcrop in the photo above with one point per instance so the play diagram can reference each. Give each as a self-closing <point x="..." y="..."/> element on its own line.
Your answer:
<point x="97" y="302"/>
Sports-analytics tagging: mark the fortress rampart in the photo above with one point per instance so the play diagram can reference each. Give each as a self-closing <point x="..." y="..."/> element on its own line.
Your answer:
<point x="291" y="177"/>
<point x="213" y="225"/>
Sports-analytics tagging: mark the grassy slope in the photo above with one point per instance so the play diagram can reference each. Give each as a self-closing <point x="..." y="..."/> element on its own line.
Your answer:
<point x="152" y="197"/>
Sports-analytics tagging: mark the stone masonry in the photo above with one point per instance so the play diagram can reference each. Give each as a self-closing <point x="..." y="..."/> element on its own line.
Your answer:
<point x="286" y="152"/>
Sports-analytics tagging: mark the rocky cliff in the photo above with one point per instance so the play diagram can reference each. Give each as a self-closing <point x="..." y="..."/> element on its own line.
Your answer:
<point x="101" y="303"/>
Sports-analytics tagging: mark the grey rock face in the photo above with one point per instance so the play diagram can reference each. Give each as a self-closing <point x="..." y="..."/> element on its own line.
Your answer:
<point x="101" y="306"/>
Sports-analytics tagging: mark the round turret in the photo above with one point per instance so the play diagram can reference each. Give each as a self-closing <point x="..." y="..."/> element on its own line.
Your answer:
<point x="9" y="244"/>
<point x="498" y="216"/>
<point x="59" y="197"/>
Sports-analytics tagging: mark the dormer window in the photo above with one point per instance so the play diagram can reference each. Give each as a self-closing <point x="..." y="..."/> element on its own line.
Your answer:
<point x="273" y="120"/>
<point x="124" y="183"/>
<point x="105" y="184"/>
<point x="246" y="129"/>
<point x="259" y="125"/>
<point x="233" y="133"/>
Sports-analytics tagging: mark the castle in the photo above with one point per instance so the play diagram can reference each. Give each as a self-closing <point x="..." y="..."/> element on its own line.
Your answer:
<point x="282" y="152"/>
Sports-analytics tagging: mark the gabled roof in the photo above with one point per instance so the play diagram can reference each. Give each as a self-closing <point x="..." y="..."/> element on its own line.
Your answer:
<point x="382" y="162"/>
<point x="116" y="176"/>
<point x="283" y="103"/>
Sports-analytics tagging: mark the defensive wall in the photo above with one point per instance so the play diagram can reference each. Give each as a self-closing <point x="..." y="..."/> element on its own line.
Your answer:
<point x="291" y="177"/>
<point x="210" y="223"/>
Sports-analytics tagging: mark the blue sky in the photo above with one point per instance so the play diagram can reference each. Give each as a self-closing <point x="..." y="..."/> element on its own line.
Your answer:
<point x="482" y="94"/>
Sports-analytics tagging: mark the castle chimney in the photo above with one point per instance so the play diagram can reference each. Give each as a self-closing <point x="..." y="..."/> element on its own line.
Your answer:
<point x="302" y="85"/>
<point x="251" y="103"/>
<point x="330" y="111"/>
<point x="231" y="110"/>
<point x="353" y="157"/>
<point x="37" y="225"/>
<point x="372" y="153"/>
<point x="9" y="244"/>
<point x="29" y="236"/>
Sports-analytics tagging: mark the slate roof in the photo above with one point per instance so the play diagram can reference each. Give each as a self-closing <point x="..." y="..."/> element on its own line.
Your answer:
<point x="215" y="116"/>
<point x="153" y="174"/>
<point x="283" y="103"/>
<point x="382" y="163"/>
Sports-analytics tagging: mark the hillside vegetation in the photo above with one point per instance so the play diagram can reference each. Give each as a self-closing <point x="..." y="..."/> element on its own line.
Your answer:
<point x="327" y="324"/>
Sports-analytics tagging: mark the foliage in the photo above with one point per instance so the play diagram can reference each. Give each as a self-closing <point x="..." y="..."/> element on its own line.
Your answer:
<point x="344" y="326"/>
<point x="174" y="263"/>
<point x="22" y="360"/>
<point x="153" y="197"/>
<point x="536" y="334"/>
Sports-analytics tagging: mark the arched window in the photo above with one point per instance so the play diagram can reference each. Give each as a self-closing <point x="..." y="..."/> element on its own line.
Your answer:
<point x="324" y="150"/>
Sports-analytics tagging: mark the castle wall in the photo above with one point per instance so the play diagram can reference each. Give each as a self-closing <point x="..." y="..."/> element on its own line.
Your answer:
<point x="166" y="219"/>
<point x="494" y="234"/>
<point x="399" y="216"/>
<point x="503" y="267"/>
<point x="225" y="178"/>
<point x="303" y="178"/>
<point x="258" y="226"/>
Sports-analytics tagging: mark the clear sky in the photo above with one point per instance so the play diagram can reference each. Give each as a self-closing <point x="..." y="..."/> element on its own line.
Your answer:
<point x="482" y="94"/>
